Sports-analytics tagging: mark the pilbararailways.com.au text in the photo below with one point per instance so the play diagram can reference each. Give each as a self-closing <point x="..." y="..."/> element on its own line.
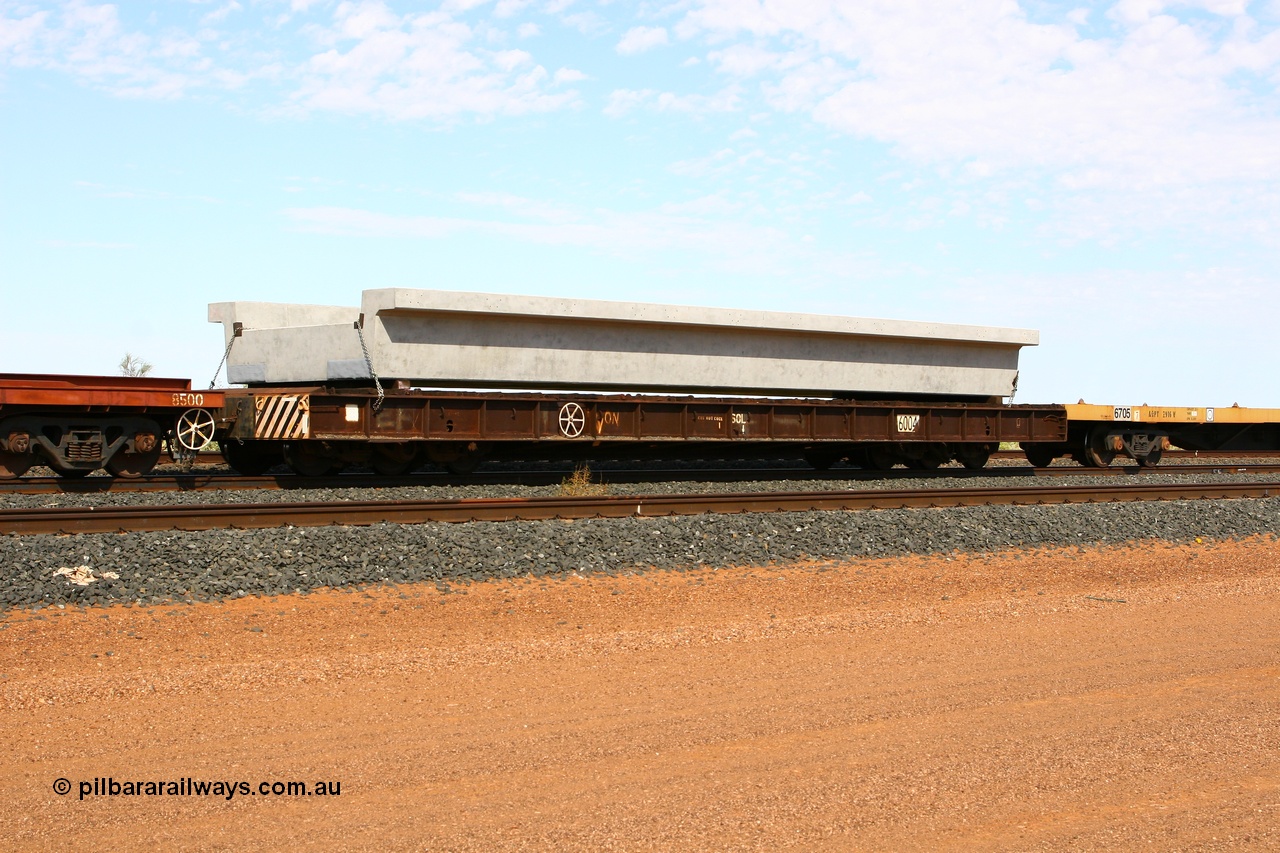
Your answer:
<point x="188" y="787"/>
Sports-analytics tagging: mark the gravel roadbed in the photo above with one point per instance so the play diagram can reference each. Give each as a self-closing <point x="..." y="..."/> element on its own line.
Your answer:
<point x="64" y="570"/>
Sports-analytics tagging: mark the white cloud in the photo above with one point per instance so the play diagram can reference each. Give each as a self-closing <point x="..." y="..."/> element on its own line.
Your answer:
<point x="747" y="60"/>
<point x="220" y="14"/>
<point x="421" y="66"/>
<point x="453" y="6"/>
<point x="89" y="42"/>
<point x="721" y="162"/>
<point x="623" y="101"/>
<point x="1156" y="104"/>
<point x="724" y="101"/>
<point x="363" y="57"/>
<point x="587" y="23"/>
<point x="569" y="75"/>
<point x="508" y="8"/>
<point x="19" y="36"/>
<point x="639" y="39"/>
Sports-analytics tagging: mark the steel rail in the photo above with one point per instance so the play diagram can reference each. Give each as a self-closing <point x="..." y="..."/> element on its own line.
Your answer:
<point x="362" y="513"/>
<point x="1174" y="454"/>
<point x="213" y="457"/>
<point x="210" y="458"/>
<point x="194" y="482"/>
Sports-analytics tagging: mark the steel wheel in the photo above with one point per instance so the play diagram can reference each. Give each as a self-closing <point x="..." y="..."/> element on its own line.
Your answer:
<point x="392" y="460"/>
<point x="975" y="457"/>
<point x="306" y="461"/>
<point x="1151" y="460"/>
<point x="1037" y="456"/>
<point x="1092" y="457"/>
<point x="880" y="458"/>
<point x="130" y="466"/>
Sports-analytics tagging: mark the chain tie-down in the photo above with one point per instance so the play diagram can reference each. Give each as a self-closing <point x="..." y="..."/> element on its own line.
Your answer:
<point x="236" y="331"/>
<point x="368" y="362"/>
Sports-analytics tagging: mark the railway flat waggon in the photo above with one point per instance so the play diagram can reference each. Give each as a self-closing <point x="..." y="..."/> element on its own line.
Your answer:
<point x="79" y="424"/>
<point x="330" y="386"/>
<point x="1099" y="434"/>
<point x="319" y="430"/>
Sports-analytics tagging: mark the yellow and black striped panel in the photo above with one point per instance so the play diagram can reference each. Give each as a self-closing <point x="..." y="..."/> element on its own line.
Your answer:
<point x="282" y="416"/>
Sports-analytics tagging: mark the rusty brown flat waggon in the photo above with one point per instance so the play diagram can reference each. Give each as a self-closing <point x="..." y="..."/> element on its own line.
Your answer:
<point x="318" y="430"/>
<point x="79" y="424"/>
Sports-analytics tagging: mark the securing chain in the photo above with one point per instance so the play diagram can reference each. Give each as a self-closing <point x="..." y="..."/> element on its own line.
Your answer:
<point x="236" y="330"/>
<point x="368" y="362"/>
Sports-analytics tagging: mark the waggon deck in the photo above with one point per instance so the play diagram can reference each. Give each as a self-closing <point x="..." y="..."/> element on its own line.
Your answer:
<point x="124" y="394"/>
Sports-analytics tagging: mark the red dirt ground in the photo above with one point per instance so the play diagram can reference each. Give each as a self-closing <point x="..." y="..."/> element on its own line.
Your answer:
<point x="1082" y="699"/>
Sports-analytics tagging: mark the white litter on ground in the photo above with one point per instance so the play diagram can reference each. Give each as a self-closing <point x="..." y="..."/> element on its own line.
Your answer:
<point x="83" y="575"/>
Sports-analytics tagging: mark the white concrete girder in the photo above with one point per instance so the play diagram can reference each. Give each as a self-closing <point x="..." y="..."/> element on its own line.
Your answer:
<point x="476" y="340"/>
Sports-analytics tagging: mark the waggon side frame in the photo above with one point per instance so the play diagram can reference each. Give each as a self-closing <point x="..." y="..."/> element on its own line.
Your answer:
<point x="410" y="415"/>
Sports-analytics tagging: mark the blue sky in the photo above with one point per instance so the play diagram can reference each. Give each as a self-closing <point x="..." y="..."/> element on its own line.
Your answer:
<point x="1108" y="174"/>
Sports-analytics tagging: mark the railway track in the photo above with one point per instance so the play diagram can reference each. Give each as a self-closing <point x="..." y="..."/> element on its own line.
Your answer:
<point x="1168" y="454"/>
<point x="359" y="513"/>
<point x="213" y="457"/>
<point x="199" y="482"/>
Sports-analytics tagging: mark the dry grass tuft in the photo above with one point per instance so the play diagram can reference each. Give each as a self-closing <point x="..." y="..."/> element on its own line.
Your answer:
<point x="580" y="485"/>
